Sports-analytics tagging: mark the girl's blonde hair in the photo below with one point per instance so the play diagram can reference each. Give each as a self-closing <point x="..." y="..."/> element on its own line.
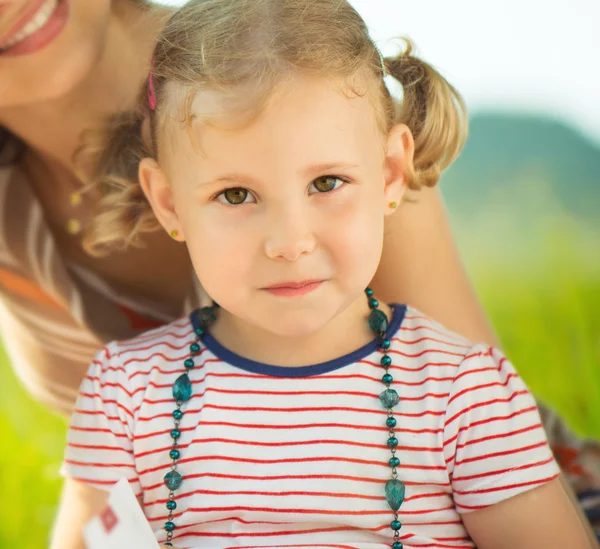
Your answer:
<point x="230" y="45"/>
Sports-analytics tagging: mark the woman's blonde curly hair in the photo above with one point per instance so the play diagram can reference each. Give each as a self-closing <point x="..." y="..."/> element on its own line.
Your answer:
<point x="230" y="45"/>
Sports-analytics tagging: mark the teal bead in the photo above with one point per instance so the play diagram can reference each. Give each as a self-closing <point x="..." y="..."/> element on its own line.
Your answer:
<point x="373" y="303"/>
<point x="177" y="414"/>
<point x="387" y="379"/>
<point x="391" y="422"/>
<point x="194" y="348"/>
<point x="386" y="361"/>
<point x="174" y="454"/>
<point x="394" y="493"/>
<point x="199" y="332"/>
<point x="394" y="462"/>
<point x="396" y="525"/>
<point x="206" y="317"/>
<point x="175" y="433"/>
<point x="378" y="321"/>
<point x="171" y="505"/>
<point x="369" y="292"/>
<point x="397" y="545"/>
<point x="182" y="388"/>
<point x="169" y="526"/>
<point x="385" y="344"/>
<point x="389" y="398"/>
<point x="392" y="442"/>
<point x="169" y="544"/>
<point x="173" y="480"/>
<point x="189" y="363"/>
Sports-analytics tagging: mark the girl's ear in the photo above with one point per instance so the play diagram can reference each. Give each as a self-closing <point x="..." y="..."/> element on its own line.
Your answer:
<point x="399" y="154"/>
<point x="156" y="187"/>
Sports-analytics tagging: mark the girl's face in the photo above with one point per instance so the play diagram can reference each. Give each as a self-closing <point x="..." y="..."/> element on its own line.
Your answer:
<point x="284" y="219"/>
<point x="48" y="46"/>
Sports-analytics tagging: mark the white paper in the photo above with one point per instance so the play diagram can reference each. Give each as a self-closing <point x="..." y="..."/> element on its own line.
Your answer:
<point x="122" y="525"/>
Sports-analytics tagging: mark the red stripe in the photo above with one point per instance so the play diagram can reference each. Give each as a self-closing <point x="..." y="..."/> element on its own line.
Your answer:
<point x="500" y="472"/>
<point x="485" y="403"/>
<point x="379" y="412"/>
<point x="104" y="367"/>
<point x="316" y="442"/>
<point x="509" y="486"/>
<point x="483" y="386"/>
<point x="504" y="453"/>
<point x="198" y="534"/>
<point x="278" y="393"/>
<point x="361" y="512"/>
<point x="406" y="328"/>
<point x="161" y="355"/>
<point x="449" y="342"/>
<point x="108" y="401"/>
<point x="104" y="482"/>
<point x="351" y="495"/>
<point x="426" y="365"/>
<point x="335" y="546"/>
<point x="237" y="459"/>
<point x="490" y="420"/>
<point x="278" y="427"/>
<point x="97" y="430"/>
<point x="262" y="478"/>
<point x="424" y="352"/>
<point x="475" y="371"/>
<point x="324" y="377"/>
<point x="98" y="464"/>
<point x="99" y="447"/>
<point x="500" y="435"/>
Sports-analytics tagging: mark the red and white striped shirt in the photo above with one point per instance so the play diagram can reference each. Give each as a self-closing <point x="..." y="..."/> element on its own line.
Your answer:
<point x="297" y="457"/>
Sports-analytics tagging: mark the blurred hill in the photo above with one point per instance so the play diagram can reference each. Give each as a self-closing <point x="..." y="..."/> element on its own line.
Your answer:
<point x="506" y="153"/>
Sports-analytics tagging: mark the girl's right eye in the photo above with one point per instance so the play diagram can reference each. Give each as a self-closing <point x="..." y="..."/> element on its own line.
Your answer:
<point x="235" y="196"/>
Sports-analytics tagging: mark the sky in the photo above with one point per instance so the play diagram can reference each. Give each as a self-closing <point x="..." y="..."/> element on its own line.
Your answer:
<point x="539" y="56"/>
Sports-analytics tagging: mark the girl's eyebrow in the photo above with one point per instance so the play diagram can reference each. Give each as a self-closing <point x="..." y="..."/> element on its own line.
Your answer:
<point x="309" y="171"/>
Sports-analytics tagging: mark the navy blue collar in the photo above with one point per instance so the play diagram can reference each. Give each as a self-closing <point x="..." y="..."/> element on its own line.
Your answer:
<point x="398" y="312"/>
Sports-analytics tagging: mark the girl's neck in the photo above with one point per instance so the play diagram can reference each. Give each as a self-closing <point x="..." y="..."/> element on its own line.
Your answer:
<point x="52" y="129"/>
<point x="345" y="333"/>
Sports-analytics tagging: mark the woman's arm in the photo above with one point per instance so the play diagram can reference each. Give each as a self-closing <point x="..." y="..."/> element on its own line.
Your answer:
<point x="421" y="266"/>
<point x="542" y="517"/>
<point x="78" y="505"/>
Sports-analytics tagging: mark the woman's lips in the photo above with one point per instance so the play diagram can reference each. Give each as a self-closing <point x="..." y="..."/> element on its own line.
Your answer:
<point x="40" y="37"/>
<point x="293" y="289"/>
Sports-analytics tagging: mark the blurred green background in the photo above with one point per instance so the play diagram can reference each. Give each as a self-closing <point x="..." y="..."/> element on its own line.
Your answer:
<point x="524" y="200"/>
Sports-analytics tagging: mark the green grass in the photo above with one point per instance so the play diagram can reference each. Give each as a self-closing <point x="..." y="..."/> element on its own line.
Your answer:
<point x="547" y="312"/>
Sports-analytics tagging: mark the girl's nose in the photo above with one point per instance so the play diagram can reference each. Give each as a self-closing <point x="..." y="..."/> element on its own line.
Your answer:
<point x="289" y="236"/>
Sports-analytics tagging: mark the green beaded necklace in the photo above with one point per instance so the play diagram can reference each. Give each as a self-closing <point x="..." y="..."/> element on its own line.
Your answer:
<point x="182" y="392"/>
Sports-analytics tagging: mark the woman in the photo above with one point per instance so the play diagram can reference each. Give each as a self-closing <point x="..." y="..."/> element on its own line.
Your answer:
<point x="64" y="66"/>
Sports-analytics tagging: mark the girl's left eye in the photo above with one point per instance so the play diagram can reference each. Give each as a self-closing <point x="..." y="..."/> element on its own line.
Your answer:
<point x="327" y="183"/>
<point x="235" y="196"/>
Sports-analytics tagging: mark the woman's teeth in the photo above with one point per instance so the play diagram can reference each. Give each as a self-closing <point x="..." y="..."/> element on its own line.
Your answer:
<point x="36" y="23"/>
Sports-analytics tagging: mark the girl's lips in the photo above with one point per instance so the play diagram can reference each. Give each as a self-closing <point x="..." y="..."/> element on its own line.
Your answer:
<point x="41" y="37"/>
<point x="292" y="289"/>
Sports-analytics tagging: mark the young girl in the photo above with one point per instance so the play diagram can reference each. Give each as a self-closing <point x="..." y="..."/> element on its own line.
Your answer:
<point x="300" y="411"/>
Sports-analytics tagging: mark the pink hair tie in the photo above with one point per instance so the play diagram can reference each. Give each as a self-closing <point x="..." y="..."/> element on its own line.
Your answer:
<point x="151" y="92"/>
